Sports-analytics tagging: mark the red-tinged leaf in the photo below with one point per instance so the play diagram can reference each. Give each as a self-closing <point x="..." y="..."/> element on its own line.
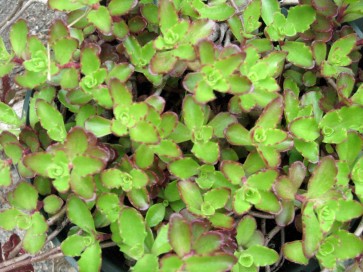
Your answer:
<point x="216" y="263"/>
<point x="245" y="230"/>
<point x="207" y="152"/>
<point x="91" y="258"/>
<point x="287" y="214"/>
<point x="90" y="61"/>
<point x="323" y="178"/>
<point x="132" y="227"/>
<point x="170" y="263"/>
<point x="79" y="214"/>
<point x="184" y="168"/>
<point x="221" y="220"/>
<point x="180" y="235"/>
<point x="121" y="7"/>
<point x="208" y="243"/>
<point x="101" y="19"/>
<point x="236" y="134"/>
<point x="293" y="251"/>
<point x="312" y="234"/>
<point x="84" y="165"/>
<point x="144" y="132"/>
<point x="271" y="115"/>
<point x="191" y="195"/>
<point x="139" y="198"/>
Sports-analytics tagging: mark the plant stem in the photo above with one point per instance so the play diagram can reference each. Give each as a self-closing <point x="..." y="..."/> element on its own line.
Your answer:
<point x="281" y="259"/>
<point x="261" y="215"/>
<point x="359" y="230"/>
<point x="80" y="17"/>
<point x="52" y="220"/>
<point x="263" y="226"/>
<point x="272" y="234"/>
<point x="332" y="83"/>
<point x="15" y="250"/>
<point x="59" y="228"/>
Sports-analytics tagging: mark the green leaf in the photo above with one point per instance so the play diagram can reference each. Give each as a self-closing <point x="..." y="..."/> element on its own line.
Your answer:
<point x="350" y="148"/>
<point x="109" y="204"/>
<point x="52" y="204"/>
<point x="218" y="12"/>
<point x="338" y="54"/>
<point x="192" y="197"/>
<point x="268" y="9"/>
<point x="155" y="214"/>
<point x="18" y="38"/>
<point x="5" y="174"/>
<point x="52" y="120"/>
<point x="293" y="251"/>
<point x="323" y="178"/>
<point x="271" y="115"/>
<point x="144" y="132"/>
<point x="180" y="235"/>
<point x="207" y="152"/>
<point x="236" y="134"/>
<point x="216" y="263"/>
<point x="184" y="168"/>
<point x="269" y="203"/>
<point x="348" y="209"/>
<point x="311" y="230"/>
<point x="132" y="227"/>
<point x="75" y="244"/>
<point x="65" y="5"/>
<point x="171" y="263"/>
<point x="101" y="19"/>
<point x="8" y="218"/>
<point x="121" y="7"/>
<point x="220" y="122"/>
<point x="233" y="171"/>
<point x="99" y="126"/>
<point x="168" y="15"/>
<point x="25" y="197"/>
<point x="262" y="255"/>
<point x="8" y="115"/>
<point x="299" y="54"/>
<point x="251" y="16"/>
<point x="79" y="214"/>
<point x="161" y="244"/>
<point x="64" y="49"/>
<point x="350" y="245"/>
<point x="148" y="262"/>
<point x="301" y="17"/>
<point x="309" y="150"/>
<point x="89" y="60"/>
<point x="33" y="243"/>
<point x="91" y="259"/>
<point x="221" y="220"/>
<point x="208" y="243"/>
<point x="86" y="165"/>
<point x="284" y="188"/>
<point x="245" y="230"/>
<point x="30" y="79"/>
<point x="199" y="30"/>
<point x="217" y="197"/>
<point x="262" y="180"/>
<point x="305" y="128"/>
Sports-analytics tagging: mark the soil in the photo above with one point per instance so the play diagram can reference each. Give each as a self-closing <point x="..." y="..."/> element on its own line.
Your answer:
<point x="39" y="19"/>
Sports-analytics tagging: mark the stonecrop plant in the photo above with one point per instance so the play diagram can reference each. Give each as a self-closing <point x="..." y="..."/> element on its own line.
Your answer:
<point x="187" y="135"/>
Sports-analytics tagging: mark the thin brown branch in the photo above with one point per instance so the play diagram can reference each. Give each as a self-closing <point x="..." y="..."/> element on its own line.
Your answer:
<point x="261" y="215"/>
<point x="16" y="250"/>
<point x="59" y="228"/>
<point x="272" y="234"/>
<point x="52" y="220"/>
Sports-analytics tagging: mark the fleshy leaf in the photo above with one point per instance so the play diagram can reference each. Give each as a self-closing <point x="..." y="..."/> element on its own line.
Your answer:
<point x="293" y="251"/>
<point x="52" y="120"/>
<point x="121" y="7"/>
<point x="233" y="171"/>
<point x="311" y="231"/>
<point x="245" y="230"/>
<point x="305" y="128"/>
<point x="191" y="195"/>
<point x="74" y="245"/>
<point x="155" y="214"/>
<point x="79" y="214"/>
<point x="25" y="197"/>
<point x="216" y="263"/>
<point x="180" y="235"/>
<point x="19" y="37"/>
<point x="184" y="168"/>
<point x="301" y="17"/>
<point x="299" y="54"/>
<point x="91" y="258"/>
<point x="101" y="19"/>
<point x="144" y="132"/>
<point x="148" y="262"/>
<point x="323" y="178"/>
